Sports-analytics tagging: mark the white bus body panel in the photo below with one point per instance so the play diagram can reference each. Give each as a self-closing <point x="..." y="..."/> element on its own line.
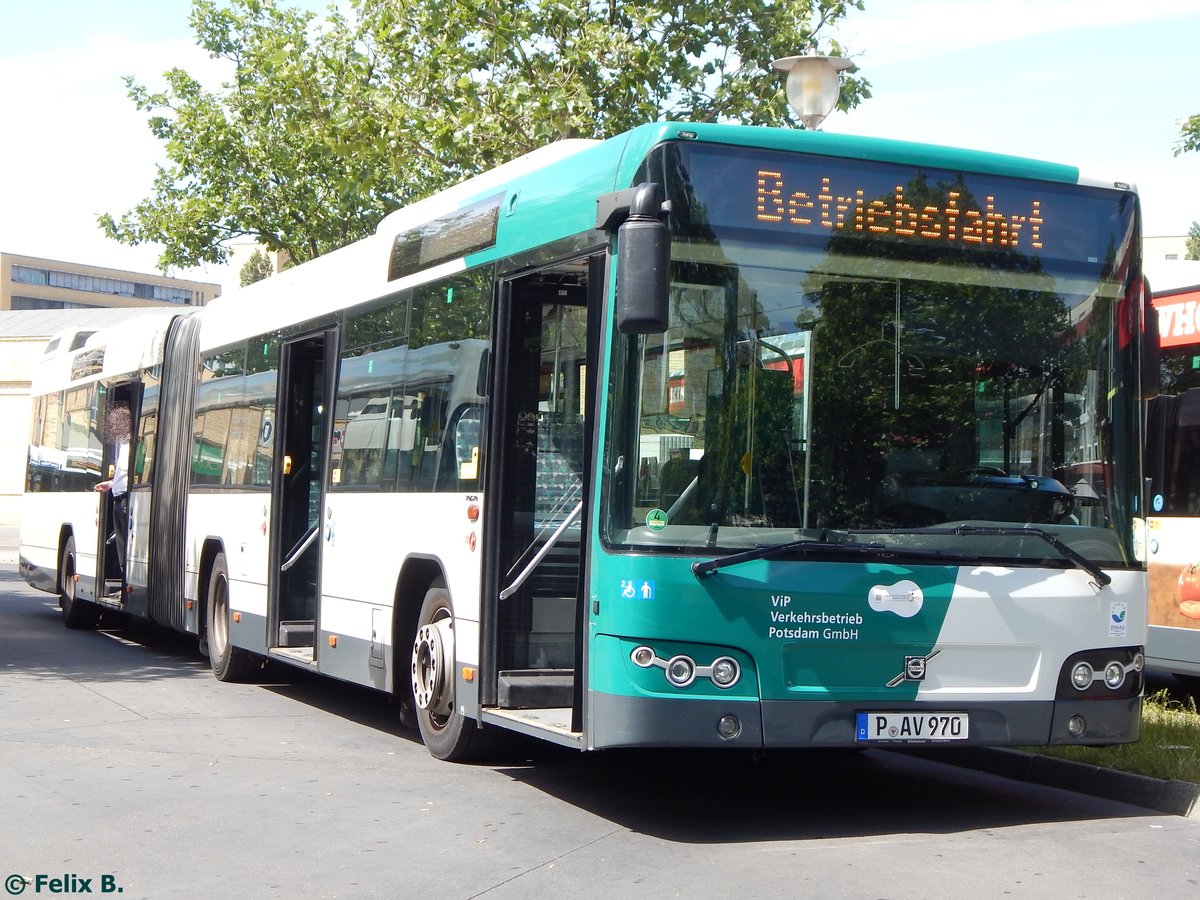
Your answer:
<point x="43" y="516"/>
<point x="1032" y="615"/>
<point x="367" y="539"/>
<point x="240" y="522"/>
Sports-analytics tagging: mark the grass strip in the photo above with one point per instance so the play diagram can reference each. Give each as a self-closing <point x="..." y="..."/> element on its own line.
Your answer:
<point x="1169" y="746"/>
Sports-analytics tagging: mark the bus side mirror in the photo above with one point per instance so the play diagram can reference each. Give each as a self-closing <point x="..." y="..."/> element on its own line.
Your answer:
<point x="643" y="256"/>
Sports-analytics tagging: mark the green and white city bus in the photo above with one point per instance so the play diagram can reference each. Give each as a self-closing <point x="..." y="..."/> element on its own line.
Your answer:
<point x="700" y="436"/>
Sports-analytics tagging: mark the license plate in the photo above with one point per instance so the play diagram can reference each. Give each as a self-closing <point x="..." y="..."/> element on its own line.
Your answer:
<point x="909" y="726"/>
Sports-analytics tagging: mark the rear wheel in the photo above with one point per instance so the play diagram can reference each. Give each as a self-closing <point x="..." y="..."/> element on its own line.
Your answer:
<point x="229" y="663"/>
<point x="447" y="733"/>
<point x="76" y="612"/>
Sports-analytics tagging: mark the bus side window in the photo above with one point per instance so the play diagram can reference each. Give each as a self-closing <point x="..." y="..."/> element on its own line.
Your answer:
<point x="459" y="469"/>
<point x="366" y="439"/>
<point x="1186" y="470"/>
<point x="430" y="417"/>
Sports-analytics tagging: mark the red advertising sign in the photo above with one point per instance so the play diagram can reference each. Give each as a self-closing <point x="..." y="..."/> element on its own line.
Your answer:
<point x="1178" y="317"/>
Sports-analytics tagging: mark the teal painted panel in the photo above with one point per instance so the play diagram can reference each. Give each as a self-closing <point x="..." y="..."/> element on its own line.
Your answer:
<point x="882" y="149"/>
<point x="807" y="630"/>
<point x="617" y="673"/>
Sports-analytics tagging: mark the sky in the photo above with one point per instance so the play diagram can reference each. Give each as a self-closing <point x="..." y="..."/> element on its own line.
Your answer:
<point x="1098" y="84"/>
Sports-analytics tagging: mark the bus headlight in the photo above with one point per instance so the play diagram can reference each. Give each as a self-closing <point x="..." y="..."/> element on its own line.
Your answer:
<point x="1081" y="676"/>
<point x="725" y="672"/>
<point x="1114" y="675"/>
<point x="1108" y="673"/>
<point x="729" y="727"/>
<point x="681" y="671"/>
<point x="642" y="656"/>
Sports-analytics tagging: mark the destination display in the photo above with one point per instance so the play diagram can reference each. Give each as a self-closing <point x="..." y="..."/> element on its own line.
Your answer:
<point x="849" y="210"/>
<point x="847" y="205"/>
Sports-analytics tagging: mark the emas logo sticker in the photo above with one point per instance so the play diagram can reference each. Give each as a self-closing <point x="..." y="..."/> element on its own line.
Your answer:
<point x="904" y="598"/>
<point x="1117" y="626"/>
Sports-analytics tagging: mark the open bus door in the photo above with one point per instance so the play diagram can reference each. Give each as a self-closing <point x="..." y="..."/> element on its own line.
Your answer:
<point x="301" y="457"/>
<point x="543" y="404"/>
<point x="115" y="513"/>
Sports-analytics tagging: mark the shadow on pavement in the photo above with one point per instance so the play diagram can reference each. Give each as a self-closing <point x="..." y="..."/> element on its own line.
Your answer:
<point x="718" y="797"/>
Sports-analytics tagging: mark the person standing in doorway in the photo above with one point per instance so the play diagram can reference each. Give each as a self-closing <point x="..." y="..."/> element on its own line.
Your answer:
<point x="117" y="429"/>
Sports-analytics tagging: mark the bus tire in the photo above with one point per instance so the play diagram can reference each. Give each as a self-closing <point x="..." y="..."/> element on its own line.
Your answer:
<point x="447" y="733"/>
<point x="76" y="612"/>
<point x="229" y="663"/>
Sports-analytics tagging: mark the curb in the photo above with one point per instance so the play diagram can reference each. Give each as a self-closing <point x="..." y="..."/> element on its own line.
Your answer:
<point x="1178" y="798"/>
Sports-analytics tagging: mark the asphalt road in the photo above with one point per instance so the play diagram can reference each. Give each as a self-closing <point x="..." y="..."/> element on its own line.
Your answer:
<point x="123" y="761"/>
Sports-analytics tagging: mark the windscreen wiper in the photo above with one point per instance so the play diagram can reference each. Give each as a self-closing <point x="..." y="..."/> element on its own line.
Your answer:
<point x="704" y="568"/>
<point x="1073" y="555"/>
<point x="1008" y="531"/>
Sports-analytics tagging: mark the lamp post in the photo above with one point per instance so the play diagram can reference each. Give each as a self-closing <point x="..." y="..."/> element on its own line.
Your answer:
<point x="812" y="85"/>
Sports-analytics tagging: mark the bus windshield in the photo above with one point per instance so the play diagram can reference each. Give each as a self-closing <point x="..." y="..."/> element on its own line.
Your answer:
<point x="860" y="346"/>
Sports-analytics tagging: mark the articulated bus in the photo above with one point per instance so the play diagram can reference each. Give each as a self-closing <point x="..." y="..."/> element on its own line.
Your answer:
<point x="1173" y="470"/>
<point x="699" y="436"/>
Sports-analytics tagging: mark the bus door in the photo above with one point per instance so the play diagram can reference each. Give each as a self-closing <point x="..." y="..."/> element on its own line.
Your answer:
<point x="301" y="455"/>
<point x="537" y="487"/>
<point x="115" y="514"/>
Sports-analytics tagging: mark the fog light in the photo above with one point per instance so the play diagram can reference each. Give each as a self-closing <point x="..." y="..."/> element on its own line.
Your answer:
<point x="1076" y="726"/>
<point x="1139" y="662"/>
<point x="725" y="672"/>
<point x="729" y="727"/>
<point x="642" y="656"/>
<point x="1081" y="676"/>
<point x="1114" y="675"/>
<point x="681" y="671"/>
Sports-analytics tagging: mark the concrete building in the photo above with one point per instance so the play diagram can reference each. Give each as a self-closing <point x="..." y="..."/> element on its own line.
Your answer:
<point x="1165" y="262"/>
<point x="1164" y="248"/>
<point x="30" y="282"/>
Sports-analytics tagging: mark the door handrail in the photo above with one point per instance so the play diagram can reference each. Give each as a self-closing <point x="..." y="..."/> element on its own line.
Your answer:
<point x="298" y="550"/>
<point x="541" y="554"/>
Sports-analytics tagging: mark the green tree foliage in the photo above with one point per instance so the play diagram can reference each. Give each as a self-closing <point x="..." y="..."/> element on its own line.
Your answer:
<point x="256" y="268"/>
<point x="1192" y="245"/>
<point x="325" y="125"/>
<point x="1189" y="135"/>
<point x="287" y="151"/>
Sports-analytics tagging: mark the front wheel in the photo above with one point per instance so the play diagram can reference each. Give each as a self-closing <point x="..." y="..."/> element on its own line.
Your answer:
<point x="76" y="612"/>
<point x="229" y="663"/>
<point x="447" y="733"/>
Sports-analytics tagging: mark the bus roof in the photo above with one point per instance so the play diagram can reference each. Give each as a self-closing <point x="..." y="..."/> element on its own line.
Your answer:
<point x="124" y="344"/>
<point x="542" y="197"/>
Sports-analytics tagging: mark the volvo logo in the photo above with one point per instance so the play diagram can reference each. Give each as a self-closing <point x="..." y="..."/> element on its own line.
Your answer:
<point x="914" y="669"/>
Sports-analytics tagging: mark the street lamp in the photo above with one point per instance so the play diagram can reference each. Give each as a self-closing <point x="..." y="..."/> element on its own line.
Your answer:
<point x="812" y="85"/>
